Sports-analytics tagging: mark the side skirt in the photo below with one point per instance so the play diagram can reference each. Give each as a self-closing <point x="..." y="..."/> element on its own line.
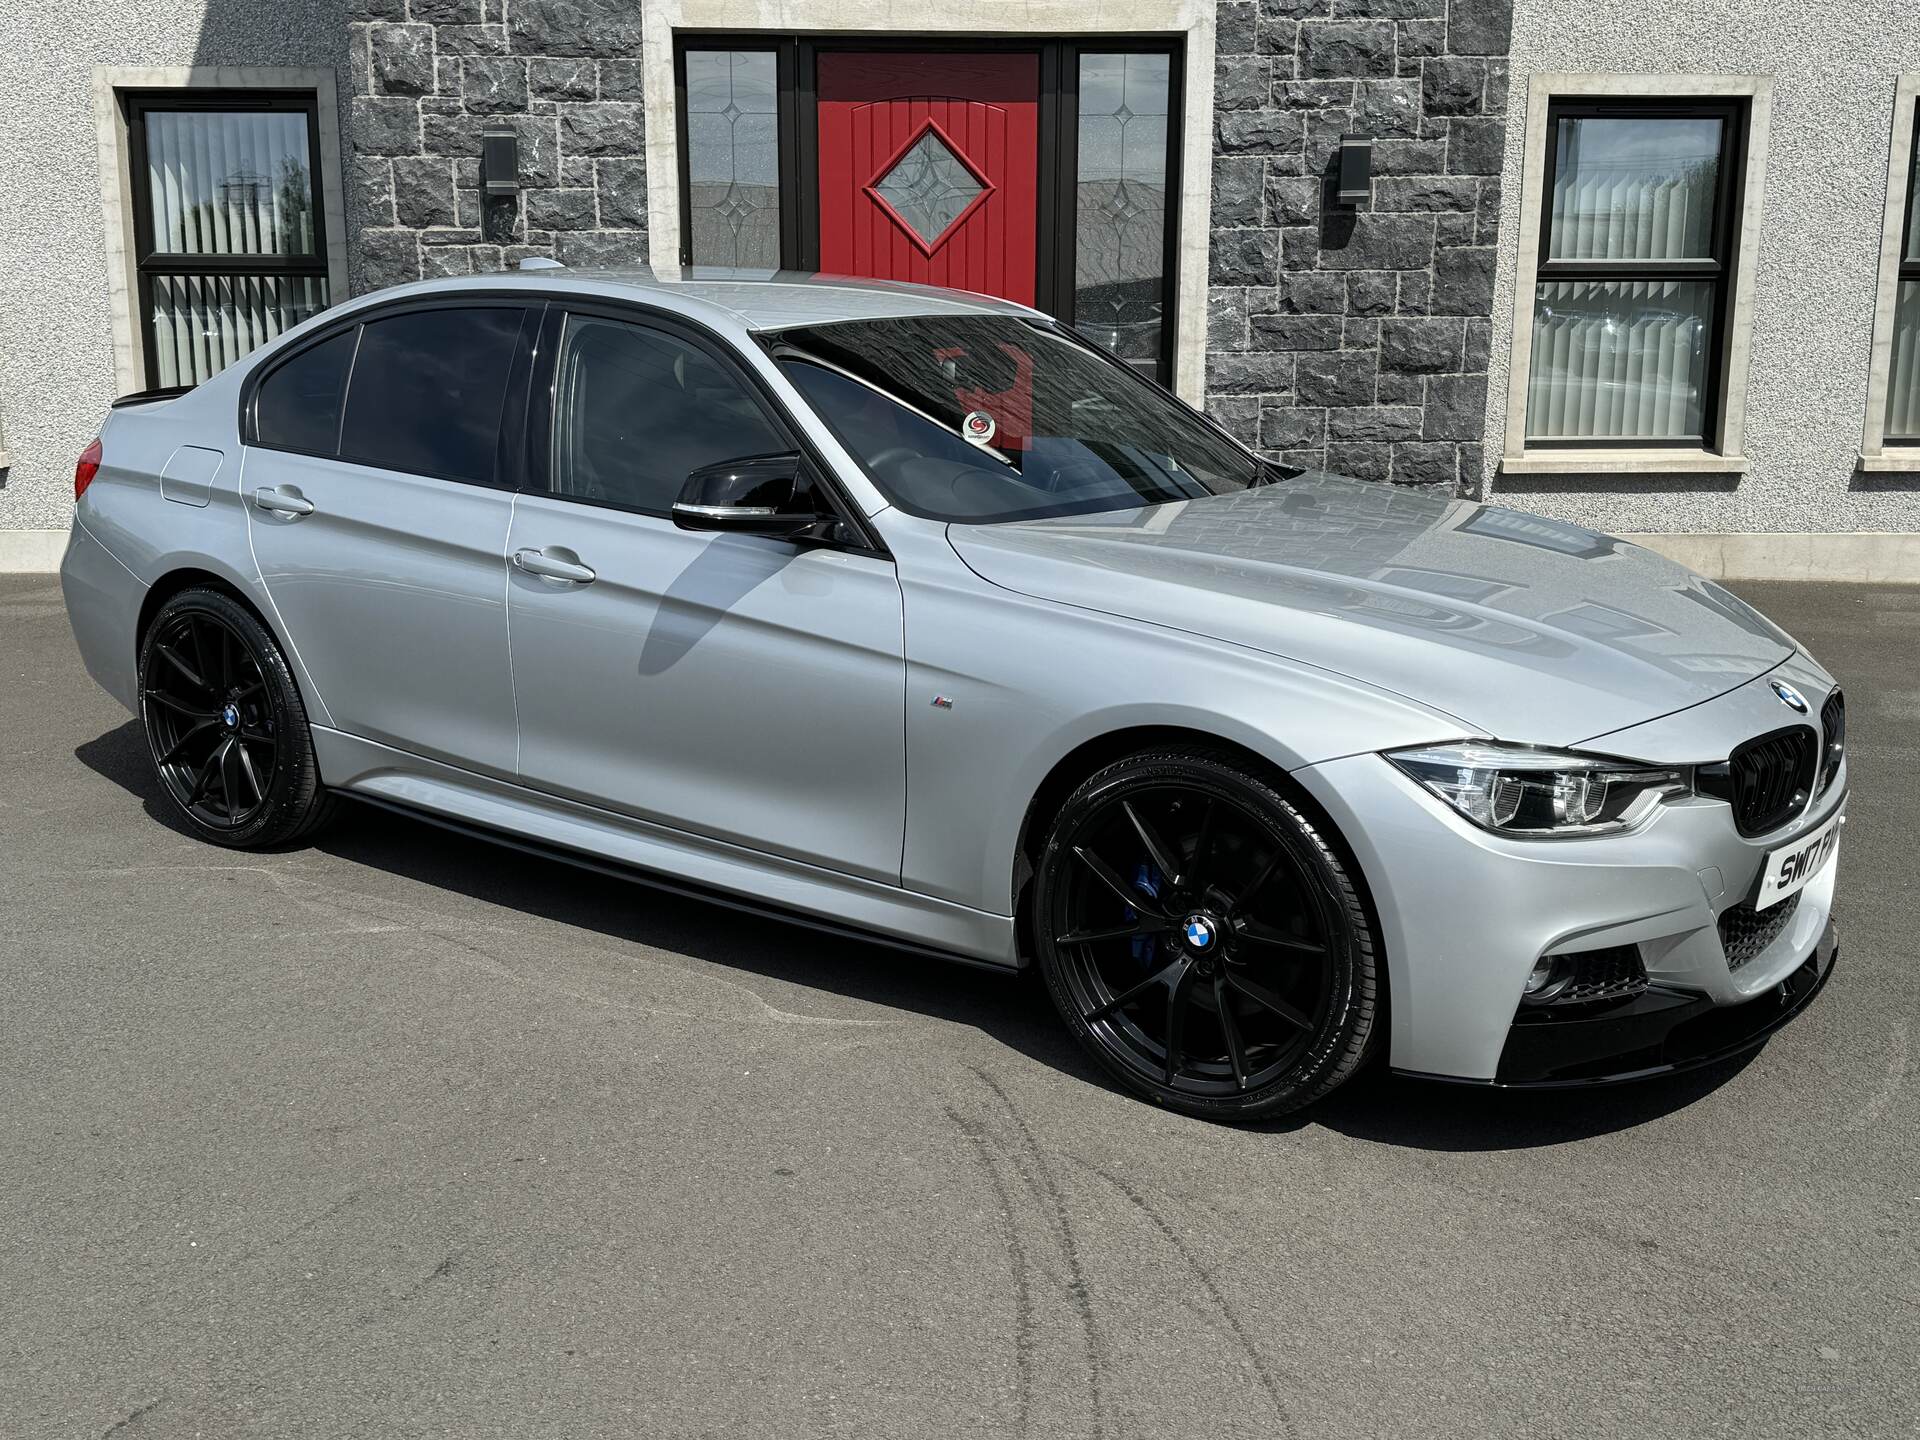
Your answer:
<point x="662" y="858"/>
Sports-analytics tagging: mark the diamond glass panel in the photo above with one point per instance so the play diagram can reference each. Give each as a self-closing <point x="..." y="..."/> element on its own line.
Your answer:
<point x="928" y="187"/>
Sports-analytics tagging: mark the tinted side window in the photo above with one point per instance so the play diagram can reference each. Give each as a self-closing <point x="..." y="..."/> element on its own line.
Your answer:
<point x="427" y="392"/>
<point x="297" y="406"/>
<point x="635" y="410"/>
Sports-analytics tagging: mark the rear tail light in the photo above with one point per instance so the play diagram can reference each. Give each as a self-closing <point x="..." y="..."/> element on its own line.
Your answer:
<point x="86" y="468"/>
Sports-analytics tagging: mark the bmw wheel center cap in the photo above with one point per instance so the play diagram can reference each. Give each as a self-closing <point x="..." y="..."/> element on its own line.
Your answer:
<point x="1201" y="933"/>
<point x="230" y="716"/>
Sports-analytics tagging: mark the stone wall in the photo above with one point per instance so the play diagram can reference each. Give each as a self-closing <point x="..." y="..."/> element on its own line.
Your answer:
<point x="1357" y="340"/>
<point x="429" y="76"/>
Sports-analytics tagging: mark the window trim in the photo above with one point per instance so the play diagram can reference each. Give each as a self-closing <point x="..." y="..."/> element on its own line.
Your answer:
<point x="1877" y="452"/>
<point x="185" y="84"/>
<point x="1548" y="96"/>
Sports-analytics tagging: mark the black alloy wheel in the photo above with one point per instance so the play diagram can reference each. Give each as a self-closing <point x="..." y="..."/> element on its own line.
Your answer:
<point x="1201" y="938"/>
<point x="225" y="725"/>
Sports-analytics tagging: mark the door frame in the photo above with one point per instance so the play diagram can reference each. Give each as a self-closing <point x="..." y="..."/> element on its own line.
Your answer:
<point x="796" y="71"/>
<point x="1185" y="26"/>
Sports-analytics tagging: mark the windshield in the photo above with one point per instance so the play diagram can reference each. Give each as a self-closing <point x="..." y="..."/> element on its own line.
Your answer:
<point x="982" y="418"/>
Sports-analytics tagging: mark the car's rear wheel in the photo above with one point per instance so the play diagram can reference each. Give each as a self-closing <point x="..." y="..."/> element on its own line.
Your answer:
<point x="225" y="725"/>
<point x="1201" y="938"/>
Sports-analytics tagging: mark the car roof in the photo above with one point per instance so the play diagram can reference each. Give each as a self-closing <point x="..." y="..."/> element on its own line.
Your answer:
<point x="752" y="299"/>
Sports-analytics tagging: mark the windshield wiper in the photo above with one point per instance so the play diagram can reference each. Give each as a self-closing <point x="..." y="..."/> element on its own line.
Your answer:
<point x="1272" y="472"/>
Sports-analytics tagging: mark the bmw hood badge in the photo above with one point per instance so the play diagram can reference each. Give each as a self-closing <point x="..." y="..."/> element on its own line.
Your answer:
<point x="1789" y="697"/>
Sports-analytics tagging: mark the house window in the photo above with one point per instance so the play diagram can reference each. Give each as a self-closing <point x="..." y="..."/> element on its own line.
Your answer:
<point x="1903" y="363"/>
<point x="1639" y="222"/>
<point x="230" y="240"/>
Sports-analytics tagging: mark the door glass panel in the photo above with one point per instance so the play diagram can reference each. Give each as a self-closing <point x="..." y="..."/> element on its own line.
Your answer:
<point x="1620" y="359"/>
<point x="1634" y="188"/>
<point x="427" y="392"/>
<point x="1120" y="205"/>
<point x="637" y="410"/>
<point x="298" y="406"/>
<point x="1903" y="379"/>
<point x="203" y="323"/>
<point x="733" y="157"/>
<point x="1913" y="197"/>
<point x="928" y="187"/>
<point x="230" y="182"/>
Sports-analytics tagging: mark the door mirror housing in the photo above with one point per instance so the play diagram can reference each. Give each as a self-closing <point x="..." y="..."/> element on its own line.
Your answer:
<point x="771" y="495"/>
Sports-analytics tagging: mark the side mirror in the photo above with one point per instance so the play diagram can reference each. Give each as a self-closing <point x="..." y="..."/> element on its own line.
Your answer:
<point x="757" y="495"/>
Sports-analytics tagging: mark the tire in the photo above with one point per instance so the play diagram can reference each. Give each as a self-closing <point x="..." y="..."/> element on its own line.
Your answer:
<point x="225" y="727"/>
<point x="1202" y="940"/>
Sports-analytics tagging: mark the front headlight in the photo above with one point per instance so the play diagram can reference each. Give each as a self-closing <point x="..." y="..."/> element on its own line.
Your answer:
<point x="1517" y="790"/>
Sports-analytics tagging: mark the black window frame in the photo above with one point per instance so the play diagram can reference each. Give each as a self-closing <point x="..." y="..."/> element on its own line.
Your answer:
<point x="536" y="460"/>
<point x="150" y="262"/>
<point x="795" y="72"/>
<point x="509" y="448"/>
<point x="1719" y="267"/>
<point x="1906" y="270"/>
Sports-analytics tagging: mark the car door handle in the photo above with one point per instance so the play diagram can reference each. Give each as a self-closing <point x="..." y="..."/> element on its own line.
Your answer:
<point x="551" y="567"/>
<point x="280" y="502"/>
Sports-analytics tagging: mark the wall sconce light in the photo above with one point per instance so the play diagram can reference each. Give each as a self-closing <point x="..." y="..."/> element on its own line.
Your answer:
<point x="1354" y="179"/>
<point x="499" y="162"/>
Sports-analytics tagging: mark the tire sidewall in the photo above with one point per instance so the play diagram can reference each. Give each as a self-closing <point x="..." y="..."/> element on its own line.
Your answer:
<point x="289" y="791"/>
<point x="1341" y="1029"/>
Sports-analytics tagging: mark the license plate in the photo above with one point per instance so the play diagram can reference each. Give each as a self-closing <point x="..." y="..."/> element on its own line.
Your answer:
<point x="1792" y="866"/>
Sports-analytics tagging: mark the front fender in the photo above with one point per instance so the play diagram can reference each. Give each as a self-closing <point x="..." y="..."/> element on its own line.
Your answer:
<point x="1002" y="687"/>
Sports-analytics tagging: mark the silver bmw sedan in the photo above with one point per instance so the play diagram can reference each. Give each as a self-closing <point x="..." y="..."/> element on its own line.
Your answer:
<point x="909" y="613"/>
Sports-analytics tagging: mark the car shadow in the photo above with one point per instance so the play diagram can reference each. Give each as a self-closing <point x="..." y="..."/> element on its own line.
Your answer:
<point x="1375" y="1106"/>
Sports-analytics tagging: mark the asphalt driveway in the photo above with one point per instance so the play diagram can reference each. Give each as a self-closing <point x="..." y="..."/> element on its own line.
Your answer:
<point x="409" y="1135"/>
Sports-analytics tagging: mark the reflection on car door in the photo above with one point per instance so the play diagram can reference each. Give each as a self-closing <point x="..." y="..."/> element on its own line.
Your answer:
<point x="740" y="688"/>
<point x="379" y="513"/>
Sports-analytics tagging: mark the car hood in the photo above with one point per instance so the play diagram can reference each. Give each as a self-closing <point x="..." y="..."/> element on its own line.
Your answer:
<point x="1521" y="627"/>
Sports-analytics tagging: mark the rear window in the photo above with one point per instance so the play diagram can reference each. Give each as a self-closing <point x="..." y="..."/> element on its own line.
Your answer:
<point x="427" y="392"/>
<point x="298" y="405"/>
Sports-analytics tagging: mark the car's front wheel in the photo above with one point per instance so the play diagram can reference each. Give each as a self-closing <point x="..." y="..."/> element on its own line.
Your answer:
<point x="225" y="724"/>
<point x="1202" y="939"/>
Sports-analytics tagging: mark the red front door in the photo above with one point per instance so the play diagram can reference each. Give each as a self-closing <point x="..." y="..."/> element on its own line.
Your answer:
<point x="929" y="168"/>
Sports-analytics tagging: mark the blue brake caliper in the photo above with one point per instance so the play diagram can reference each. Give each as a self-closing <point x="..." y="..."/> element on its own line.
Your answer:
<point x="1147" y="877"/>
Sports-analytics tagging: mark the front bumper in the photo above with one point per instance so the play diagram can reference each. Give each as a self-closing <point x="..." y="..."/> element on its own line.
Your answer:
<point x="1661" y="1031"/>
<point x="1465" y="914"/>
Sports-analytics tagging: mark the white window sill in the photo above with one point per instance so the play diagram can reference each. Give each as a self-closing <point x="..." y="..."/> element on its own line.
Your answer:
<point x="1624" y="462"/>
<point x="1891" y="462"/>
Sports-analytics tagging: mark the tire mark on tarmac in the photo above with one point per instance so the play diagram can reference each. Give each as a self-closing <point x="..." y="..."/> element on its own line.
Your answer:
<point x="1038" y="1173"/>
<point x="1255" y="1359"/>
<point x="1871" y="1112"/>
<point x="1017" y="1260"/>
